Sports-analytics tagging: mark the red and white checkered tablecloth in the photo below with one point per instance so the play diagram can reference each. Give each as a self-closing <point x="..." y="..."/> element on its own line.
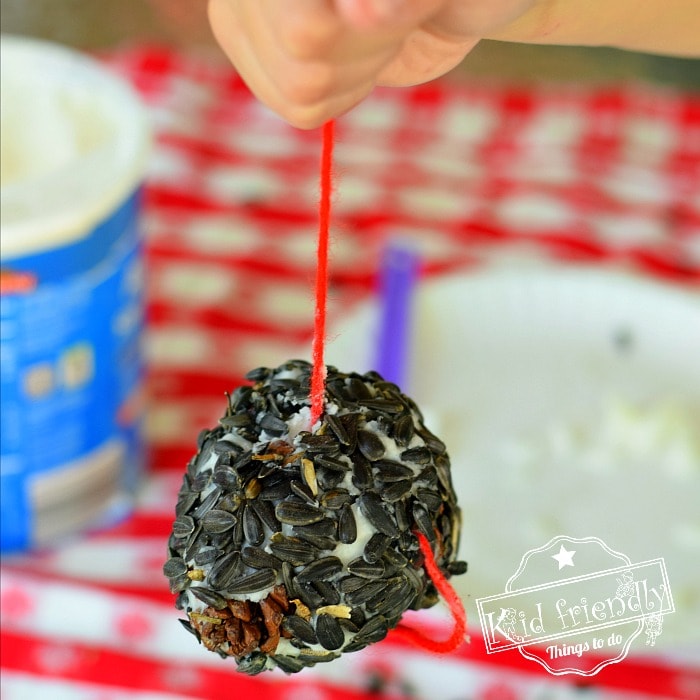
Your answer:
<point x="479" y="176"/>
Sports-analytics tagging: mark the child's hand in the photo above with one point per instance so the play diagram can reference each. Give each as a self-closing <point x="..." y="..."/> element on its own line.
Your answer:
<point x="310" y="60"/>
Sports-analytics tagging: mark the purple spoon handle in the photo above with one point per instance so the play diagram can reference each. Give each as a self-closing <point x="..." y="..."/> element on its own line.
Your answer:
<point x="397" y="279"/>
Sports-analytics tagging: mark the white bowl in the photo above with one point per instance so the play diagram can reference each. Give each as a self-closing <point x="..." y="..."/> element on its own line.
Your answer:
<point x="570" y="404"/>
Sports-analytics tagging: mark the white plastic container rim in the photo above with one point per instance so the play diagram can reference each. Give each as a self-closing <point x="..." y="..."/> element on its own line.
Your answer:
<point x="74" y="171"/>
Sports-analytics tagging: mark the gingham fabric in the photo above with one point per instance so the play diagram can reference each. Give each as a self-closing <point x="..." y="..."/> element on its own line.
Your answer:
<point x="477" y="176"/>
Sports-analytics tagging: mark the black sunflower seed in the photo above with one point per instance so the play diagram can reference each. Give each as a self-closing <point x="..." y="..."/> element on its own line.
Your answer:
<point x="348" y="584"/>
<point x="320" y="569"/>
<point x="206" y="556"/>
<point x="335" y="464"/>
<point x="417" y="455"/>
<point x="225" y="570"/>
<point x="289" y="664"/>
<point x="318" y="444"/>
<point x="309" y="595"/>
<point x="275" y="488"/>
<point x="328" y="479"/>
<point x="403" y="430"/>
<point x="311" y="657"/>
<point x="363" y="594"/>
<point x="389" y="470"/>
<point x="457" y="568"/>
<point x="252" y="664"/>
<point x="364" y="569"/>
<point x="323" y="528"/>
<point x="252" y="526"/>
<point x="433" y="443"/>
<point x="288" y="579"/>
<point x="330" y="634"/>
<point x="401" y="515"/>
<point x="294" y="551"/>
<point x="297" y="513"/>
<point x="429" y="498"/>
<point x="259" y="374"/>
<point x="237" y="420"/>
<point x="330" y="595"/>
<point x="260" y="559"/>
<point x="300" y="628"/>
<point x="394" y="558"/>
<point x="175" y="567"/>
<point x="424" y="521"/>
<point x="337" y="426"/>
<point x="357" y="389"/>
<point x="373" y="509"/>
<point x="396" y="490"/>
<point x="375" y="547"/>
<point x="266" y="513"/>
<point x="370" y="445"/>
<point x="183" y="526"/>
<point x="252" y="583"/>
<point x="272" y="424"/>
<point x="185" y="502"/>
<point x="390" y="591"/>
<point x="179" y="583"/>
<point x="362" y="477"/>
<point x="374" y="630"/>
<point x="336" y="498"/>
<point x="217" y="520"/>
<point x="209" y="597"/>
<point x="384" y="405"/>
<point x="226" y="478"/>
<point x="354" y="645"/>
<point x="347" y="527"/>
<point x="303" y="491"/>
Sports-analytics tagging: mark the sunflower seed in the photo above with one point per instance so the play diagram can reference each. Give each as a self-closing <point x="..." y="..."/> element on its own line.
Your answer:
<point x="433" y="443"/>
<point x="424" y="521"/>
<point x="272" y="425"/>
<point x="275" y="488"/>
<point x="375" y="547"/>
<point x="394" y="559"/>
<point x="323" y="528"/>
<point x="209" y="597"/>
<point x="260" y="559"/>
<point x="311" y="656"/>
<point x="417" y="455"/>
<point x="457" y="568"/>
<point x="237" y="420"/>
<point x="403" y="430"/>
<point x="329" y="479"/>
<point x="303" y="491"/>
<point x="300" y="628"/>
<point x="309" y="595"/>
<point x="252" y="583"/>
<point x="393" y="589"/>
<point x="384" y="405"/>
<point x="401" y="515"/>
<point x="225" y="570"/>
<point x="429" y="475"/>
<point x="370" y="445"/>
<point x="179" y="584"/>
<point x="266" y="513"/>
<point x="252" y="488"/>
<point x="329" y="593"/>
<point x="252" y="664"/>
<point x="294" y="551"/>
<point x="354" y="645"/>
<point x="226" y="478"/>
<point x="259" y="374"/>
<point x="364" y="569"/>
<point x="396" y="490"/>
<point x="363" y="594"/>
<point x="183" y="526"/>
<point x="252" y="526"/>
<point x="320" y="569"/>
<point x="185" y="502"/>
<point x="374" y="630"/>
<point x="289" y="664"/>
<point x="338" y="427"/>
<point x="373" y="509"/>
<point x="430" y="499"/>
<point x="297" y="513"/>
<point x="197" y="539"/>
<point x="361" y="472"/>
<point x="318" y="444"/>
<point x="329" y="632"/>
<point x="336" y="499"/>
<point x="351" y="583"/>
<point x="335" y="464"/>
<point x="175" y="567"/>
<point x="347" y="527"/>
<point x="389" y="470"/>
<point x="217" y="520"/>
<point x="206" y="556"/>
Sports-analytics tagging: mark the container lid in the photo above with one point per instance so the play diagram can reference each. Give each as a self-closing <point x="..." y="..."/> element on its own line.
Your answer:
<point x="74" y="144"/>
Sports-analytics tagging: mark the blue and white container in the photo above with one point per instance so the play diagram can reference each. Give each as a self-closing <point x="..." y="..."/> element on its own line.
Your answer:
<point x="74" y="146"/>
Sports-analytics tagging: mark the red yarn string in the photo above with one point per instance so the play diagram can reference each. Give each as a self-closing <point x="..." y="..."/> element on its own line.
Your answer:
<point x="318" y="379"/>
<point x="453" y="642"/>
<point x="318" y="372"/>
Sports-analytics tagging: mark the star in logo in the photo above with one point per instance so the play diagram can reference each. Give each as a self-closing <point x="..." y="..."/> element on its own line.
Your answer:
<point x="564" y="558"/>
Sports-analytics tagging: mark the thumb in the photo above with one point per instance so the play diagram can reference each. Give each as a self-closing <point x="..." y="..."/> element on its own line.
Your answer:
<point x="386" y="14"/>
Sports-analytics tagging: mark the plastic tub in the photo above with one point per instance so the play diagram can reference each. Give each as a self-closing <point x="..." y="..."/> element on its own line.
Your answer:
<point x="74" y="147"/>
